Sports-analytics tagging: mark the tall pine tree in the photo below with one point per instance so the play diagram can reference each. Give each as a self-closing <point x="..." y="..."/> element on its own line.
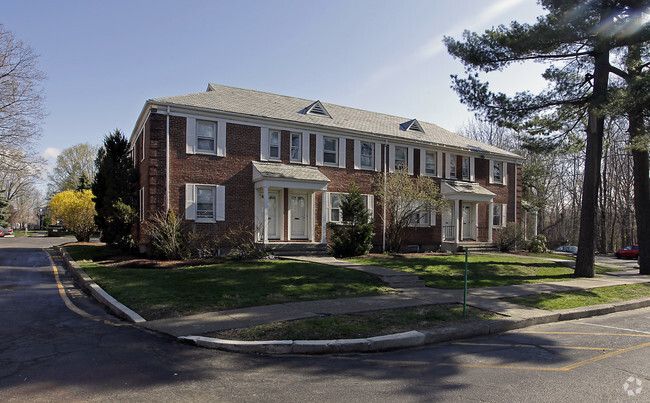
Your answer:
<point x="576" y="38"/>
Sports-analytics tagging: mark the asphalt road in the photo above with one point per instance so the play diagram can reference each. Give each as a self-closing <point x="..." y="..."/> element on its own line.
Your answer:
<point x="50" y="351"/>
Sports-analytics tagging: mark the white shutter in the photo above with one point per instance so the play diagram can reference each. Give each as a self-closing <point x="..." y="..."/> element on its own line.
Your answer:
<point x="410" y="160"/>
<point x="342" y="143"/>
<point x="423" y="162"/>
<point x="357" y="154"/>
<point x="371" y="206"/>
<point x="378" y="154"/>
<point x="190" y="205"/>
<point x="504" y="214"/>
<point x="220" y="203"/>
<point x="504" y="174"/>
<point x="433" y="218"/>
<point x="391" y="158"/>
<point x="471" y="168"/>
<point x="447" y="167"/>
<point x="221" y="139"/>
<point x="319" y="149"/>
<point x="305" y="148"/>
<point x="439" y="164"/>
<point x="190" y="135"/>
<point x="491" y="173"/>
<point x="264" y="144"/>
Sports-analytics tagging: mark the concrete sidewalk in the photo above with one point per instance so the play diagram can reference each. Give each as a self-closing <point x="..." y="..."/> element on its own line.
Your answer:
<point x="411" y="293"/>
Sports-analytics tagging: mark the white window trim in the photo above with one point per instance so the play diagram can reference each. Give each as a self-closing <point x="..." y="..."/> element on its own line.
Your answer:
<point x="357" y="155"/>
<point x="391" y="157"/>
<point x="341" y="143"/>
<point x="190" y="136"/>
<point x="142" y="156"/>
<point x="448" y="160"/>
<point x="279" y="157"/>
<point x="503" y="218"/>
<point x="219" y="203"/>
<point x="423" y="162"/>
<point x="300" y="147"/>
<point x="504" y="173"/>
<point x="369" y="201"/>
<point x="141" y="204"/>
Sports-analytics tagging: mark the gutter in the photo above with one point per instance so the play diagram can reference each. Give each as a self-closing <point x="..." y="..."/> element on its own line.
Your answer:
<point x="167" y="161"/>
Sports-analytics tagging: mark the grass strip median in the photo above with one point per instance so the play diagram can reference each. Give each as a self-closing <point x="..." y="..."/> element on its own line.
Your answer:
<point x="359" y="325"/>
<point x="575" y="299"/>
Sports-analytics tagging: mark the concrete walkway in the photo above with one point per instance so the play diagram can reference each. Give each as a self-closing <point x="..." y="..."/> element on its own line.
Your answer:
<point x="410" y="293"/>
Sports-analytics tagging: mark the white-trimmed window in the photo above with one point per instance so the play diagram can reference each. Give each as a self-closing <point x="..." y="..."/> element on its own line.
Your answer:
<point x="452" y="166"/>
<point x="142" y="149"/>
<point x="141" y="204"/>
<point x="206" y="136"/>
<point x="330" y="150"/>
<point x="498" y="172"/>
<point x="499" y="215"/>
<point x="274" y="144"/>
<point x="296" y="147"/>
<point x="367" y="155"/>
<point x="420" y="219"/>
<point x="401" y="157"/>
<point x="204" y="203"/>
<point x="465" y="168"/>
<point x="430" y="164"/>
<point x="335" y="212"/>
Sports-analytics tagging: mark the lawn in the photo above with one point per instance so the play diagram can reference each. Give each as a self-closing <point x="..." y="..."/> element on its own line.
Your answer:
<point x="171" y="292"/>
<point x="447" y="271"/>
<point x="366" y="324"/>
<point x="574" y="299"/>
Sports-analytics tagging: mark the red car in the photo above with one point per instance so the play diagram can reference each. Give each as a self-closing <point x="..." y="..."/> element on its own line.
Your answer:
<point x="631" y="252"/>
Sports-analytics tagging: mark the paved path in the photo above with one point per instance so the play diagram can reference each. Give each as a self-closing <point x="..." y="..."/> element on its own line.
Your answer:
<point x="485" y="298"/>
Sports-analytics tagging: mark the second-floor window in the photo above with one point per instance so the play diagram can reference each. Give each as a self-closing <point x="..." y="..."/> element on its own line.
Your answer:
<point x="430" y="164"/>
<point x="330" y="150"/>
<point x="401" y="157"/>
<point x="452" y="166"/>
<point x="367" y="155"/>
<point x="274" y="144"/>
<point x="465" y="168"/>
<point x="206" y="135"/>
<point x="496" y="172"/>
<point x="296" y="147"/>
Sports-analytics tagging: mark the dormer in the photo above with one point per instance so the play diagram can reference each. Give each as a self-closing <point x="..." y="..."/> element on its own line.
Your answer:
<point x="316" y="109"/>
<point x="412" y="126"/>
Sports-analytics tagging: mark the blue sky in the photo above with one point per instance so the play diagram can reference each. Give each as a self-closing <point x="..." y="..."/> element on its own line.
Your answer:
<point x="105" y="59"/>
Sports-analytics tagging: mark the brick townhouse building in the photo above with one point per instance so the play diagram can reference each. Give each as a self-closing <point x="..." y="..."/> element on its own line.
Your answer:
<point x="230" y="156"/>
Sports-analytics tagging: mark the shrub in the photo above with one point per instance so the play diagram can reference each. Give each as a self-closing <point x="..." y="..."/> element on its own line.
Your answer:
<point x="353" y="237"/>
<point x="510" y="237"/>
<point x="537" y="244"/>
<point x="167" y="240"/>
<point x="77" y="210"/>
<point x="241" y="241"/>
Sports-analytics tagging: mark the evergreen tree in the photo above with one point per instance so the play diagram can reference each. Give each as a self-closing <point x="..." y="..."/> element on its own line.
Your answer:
<point x="4" y="216"/>
<point x="115" y="191"/>
<point x="84" y="182"/>
<point x="352" y="237"/>
<point x="580" y="36"/>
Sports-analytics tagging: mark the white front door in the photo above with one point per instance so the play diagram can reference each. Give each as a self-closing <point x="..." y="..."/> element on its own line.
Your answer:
<point x="467" y="221"/>
<point x="448" y="226"/>
<point x="298" y="214"/>
<point x="273" y="216"/>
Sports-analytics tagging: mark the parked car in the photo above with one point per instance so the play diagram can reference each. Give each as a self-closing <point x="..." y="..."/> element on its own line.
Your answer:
<point x="54" y="230"/>
<point x="567" y="249"/>
<point x="9" y="232"/>
<point x="2" y="232"/>
<point x="630" y="252"/>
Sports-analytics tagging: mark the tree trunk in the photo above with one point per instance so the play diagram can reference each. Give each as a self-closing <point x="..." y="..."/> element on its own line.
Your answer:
<point x="595" y="129"/>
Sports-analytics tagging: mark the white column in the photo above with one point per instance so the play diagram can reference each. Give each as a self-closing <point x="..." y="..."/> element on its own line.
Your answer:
<point x="490" y="220"/>
<point x="476" y="221"/>
<point x="456" y="220"/>
<point x="535" y="227"/>
<point x="324" y="215"/>
<point x="265" y="240"/>
<point x="312" y="216"/>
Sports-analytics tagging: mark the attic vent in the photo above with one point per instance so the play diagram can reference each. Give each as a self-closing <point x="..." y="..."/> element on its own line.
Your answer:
<point x="316" y="109"/>
<point x="412" y="125"/>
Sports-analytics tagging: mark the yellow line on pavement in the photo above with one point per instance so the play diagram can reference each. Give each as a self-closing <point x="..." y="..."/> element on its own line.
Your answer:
<point x="590" y="334"/>
<point x="613" y="353"/>
<point x="532" y="346"/>
<point x="501" y="367"/>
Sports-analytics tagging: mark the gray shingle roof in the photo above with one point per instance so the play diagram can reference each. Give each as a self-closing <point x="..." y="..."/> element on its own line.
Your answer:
<point x="281" y="107"/>
<point x="448" y="187"/>
<point x="272" y="170"/>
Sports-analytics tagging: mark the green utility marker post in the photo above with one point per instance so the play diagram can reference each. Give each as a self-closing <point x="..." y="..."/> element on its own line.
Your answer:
<point x="465" y="290"/>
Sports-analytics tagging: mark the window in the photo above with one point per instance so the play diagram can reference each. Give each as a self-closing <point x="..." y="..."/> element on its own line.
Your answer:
<point x="367" y="155"/>
<point x="205" y="202"/>
<point x="465" y="168"/>
<point x="430" y="164"/>
<point x="452" y="166"/>
<point x="206" y="135"/>
<point x="420" y="219"/>
<point x="141" y="194"/>
<point x="401" y="157"/>
<point x="335" y="213"/>
<point x="496" y="215"/>
<point x="496" y="172"/>
<point x="330" y="150"/>
<point x="274" y="144"/>
<point x="296" y="147"/>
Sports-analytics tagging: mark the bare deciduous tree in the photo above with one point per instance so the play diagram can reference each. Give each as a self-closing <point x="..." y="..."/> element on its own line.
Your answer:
<point x="70" y="165"/>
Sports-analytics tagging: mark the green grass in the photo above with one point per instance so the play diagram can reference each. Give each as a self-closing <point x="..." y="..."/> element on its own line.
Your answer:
<point x="447" y="271"/>
<point x="172" y="292"/>
<point x="574" y="299"/>
<point x="359" y="325"/>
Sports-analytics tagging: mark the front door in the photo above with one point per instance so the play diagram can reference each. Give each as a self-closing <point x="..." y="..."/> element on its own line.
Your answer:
<point x="467" y="221"/>
<point x="273" y="216"/>
<point x="298" y="214"/>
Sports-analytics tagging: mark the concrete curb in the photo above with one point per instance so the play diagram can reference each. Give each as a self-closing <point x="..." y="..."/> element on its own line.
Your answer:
<point x="96" y="291"/>
<point x="408" y="339"/>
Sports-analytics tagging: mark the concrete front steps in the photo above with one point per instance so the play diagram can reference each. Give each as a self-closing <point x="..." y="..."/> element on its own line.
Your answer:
<point x="471" y="245"/>
<point x="297" y="249"/>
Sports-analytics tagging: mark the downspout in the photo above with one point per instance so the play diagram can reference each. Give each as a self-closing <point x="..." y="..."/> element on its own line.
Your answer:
<point x="385" y="173"/>
<point x="515" y="208"/>
<point x="167" y="161"/>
